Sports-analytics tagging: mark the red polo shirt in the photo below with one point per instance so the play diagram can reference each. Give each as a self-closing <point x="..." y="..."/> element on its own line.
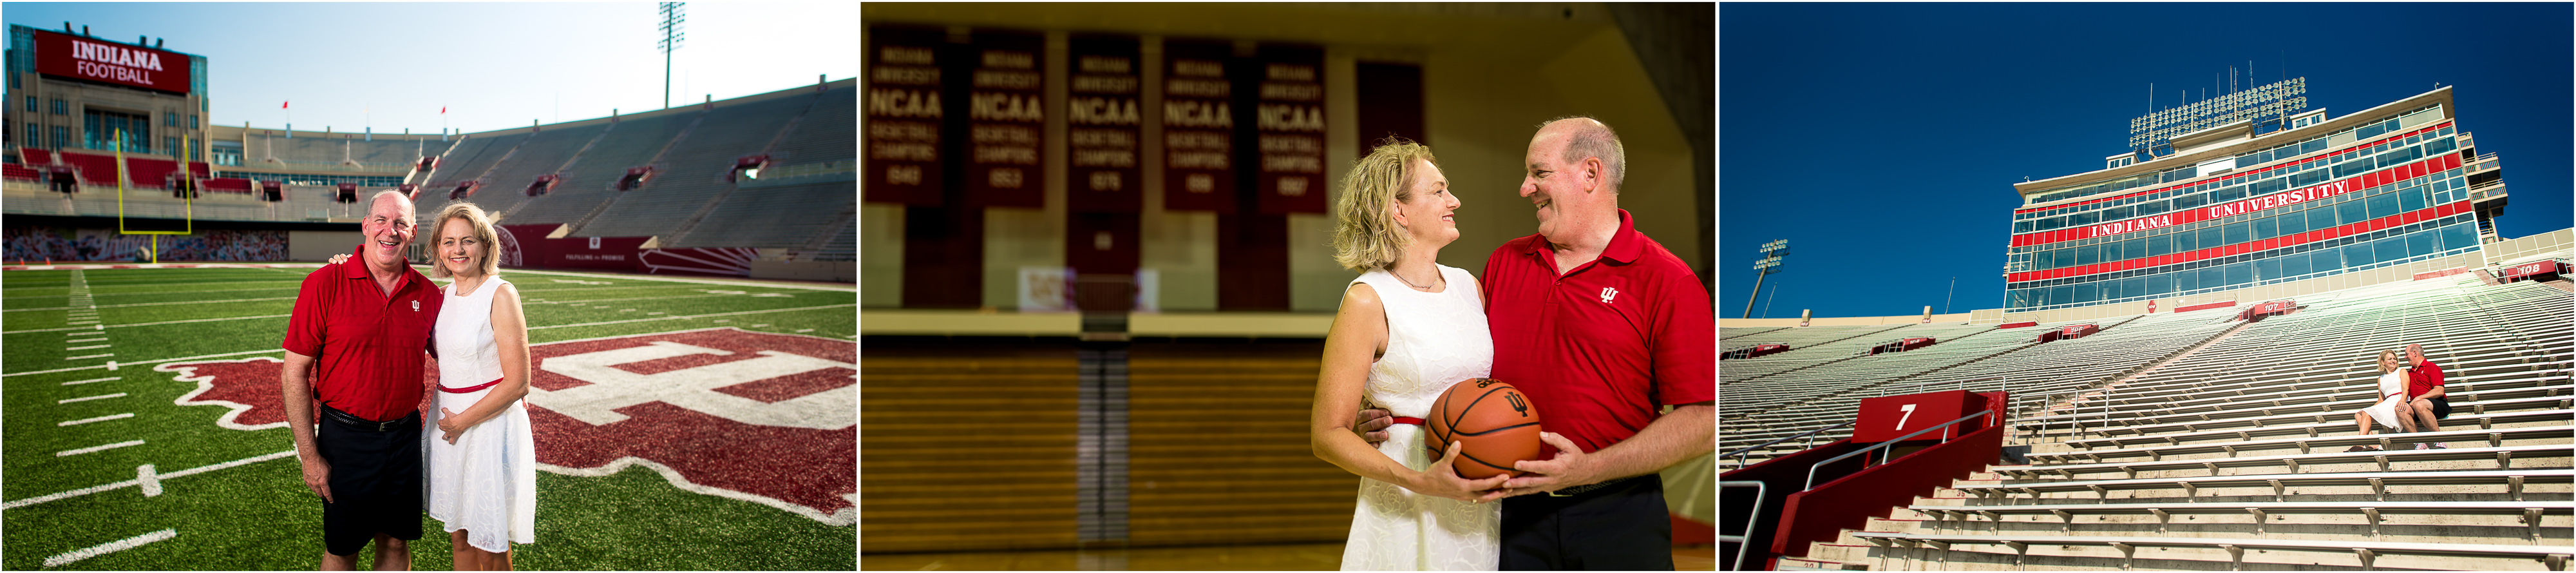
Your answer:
<point x="1602" y="348"/>
<point x="370" y="345"/>
<point x="2423" y="378"/>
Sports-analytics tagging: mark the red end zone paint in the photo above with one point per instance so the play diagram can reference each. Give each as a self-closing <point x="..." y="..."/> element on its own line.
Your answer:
<point x="766" y="418"/>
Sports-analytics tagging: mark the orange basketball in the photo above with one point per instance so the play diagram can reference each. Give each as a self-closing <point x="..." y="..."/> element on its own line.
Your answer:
<point x="1496" y="422"/>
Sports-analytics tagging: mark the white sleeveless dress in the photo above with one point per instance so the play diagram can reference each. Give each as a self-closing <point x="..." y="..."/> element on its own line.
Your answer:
<point x="1433" y="340"/>
<point x="485" y="483"/>
<point x="2392" y="389"/>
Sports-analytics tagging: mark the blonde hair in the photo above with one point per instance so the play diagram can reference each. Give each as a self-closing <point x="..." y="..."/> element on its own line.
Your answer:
<point x="2390" y="356"/>
<point x="1366" y="236"/>
<point x="474" y="216"/>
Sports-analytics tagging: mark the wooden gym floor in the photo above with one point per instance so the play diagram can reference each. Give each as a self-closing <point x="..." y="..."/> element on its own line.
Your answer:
<point x="1296" y="557"/>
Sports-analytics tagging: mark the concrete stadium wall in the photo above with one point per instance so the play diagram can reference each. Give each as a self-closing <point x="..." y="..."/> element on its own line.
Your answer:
<point x="319" y="245"/>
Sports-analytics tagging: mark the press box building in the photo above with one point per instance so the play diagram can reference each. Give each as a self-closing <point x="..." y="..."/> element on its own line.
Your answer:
<point x="2234" y="204"/>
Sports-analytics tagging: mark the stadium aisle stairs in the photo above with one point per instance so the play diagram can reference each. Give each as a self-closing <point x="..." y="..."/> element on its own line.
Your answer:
<point x="2237" y="456"/>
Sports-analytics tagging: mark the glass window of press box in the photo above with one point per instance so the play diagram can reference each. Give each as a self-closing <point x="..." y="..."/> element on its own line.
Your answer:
<point x="2393" y="246"/>
<point x="2342" y="165"/>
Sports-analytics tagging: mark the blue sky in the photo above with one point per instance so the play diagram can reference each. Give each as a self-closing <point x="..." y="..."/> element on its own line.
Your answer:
<point x="493" y="65"/>
<point x="1882" y="140"/>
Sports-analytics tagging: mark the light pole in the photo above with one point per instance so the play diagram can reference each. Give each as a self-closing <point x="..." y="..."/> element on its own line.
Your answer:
<point x="1769" y="263"/>
<point x="673" y="15"/>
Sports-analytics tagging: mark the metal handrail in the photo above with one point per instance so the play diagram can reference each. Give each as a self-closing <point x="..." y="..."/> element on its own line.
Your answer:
<point x="1945" y="437"/>
<point x="1744" y="543"/>
<point x="2075" y="422"/>
<point x="1962" y="384"/>
<point x="1741" y="453"/>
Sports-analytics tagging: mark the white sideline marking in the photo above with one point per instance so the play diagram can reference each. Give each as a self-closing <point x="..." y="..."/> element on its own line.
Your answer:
<point x="151" y="483"/>
<point x="97" y="419"/>
<point x="110" y="547"/>
<point x="131" y="483"/>
<point x="111" y="364"/>
<point x="88" y="347"/>
<point x="110" y="378"/>
<point x="104" y="327"/>
<point x="99" y="397"/>
<point x="98" y="448"/>
<point x="91" y="356"/>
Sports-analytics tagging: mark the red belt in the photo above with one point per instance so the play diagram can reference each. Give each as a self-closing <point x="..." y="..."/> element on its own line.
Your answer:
<point x="446" y="389"/>
<point x="1403" y="420"/>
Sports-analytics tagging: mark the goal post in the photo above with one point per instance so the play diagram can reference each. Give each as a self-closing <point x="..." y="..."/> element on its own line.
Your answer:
<point x="188" y="201"/>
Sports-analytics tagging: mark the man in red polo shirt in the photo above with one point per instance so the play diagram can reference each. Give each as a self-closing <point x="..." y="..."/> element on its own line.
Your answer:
<point x="1602" y="327"/>
<point x="2424" y="389"/>
<point x="366" y="322"/>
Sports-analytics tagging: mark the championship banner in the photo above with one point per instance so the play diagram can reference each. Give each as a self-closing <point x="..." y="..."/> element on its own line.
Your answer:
<point x="1198" y="127"/>
<point x="1103" y="126"/>
<point x="904" y="113"/>
<point x="1291" y="125"/>
<point x="1004" y="120"/>
<point x="59" y="54"/>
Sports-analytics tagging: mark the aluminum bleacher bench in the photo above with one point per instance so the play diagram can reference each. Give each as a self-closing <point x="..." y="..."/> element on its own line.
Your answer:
<point x="2503" y="455"/>
<point x="2558" y="410"/>
<point x="2554" y="556"/>
<point x="2379" y="482"/>
<point x="2307" y="444"/>
<point x="2530" y="512"/>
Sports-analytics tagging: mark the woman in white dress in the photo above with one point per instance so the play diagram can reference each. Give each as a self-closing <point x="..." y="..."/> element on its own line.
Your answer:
<point x="482" y="460"/>
<point x="2391" y="410"/>
<point x="1407" y="329"/>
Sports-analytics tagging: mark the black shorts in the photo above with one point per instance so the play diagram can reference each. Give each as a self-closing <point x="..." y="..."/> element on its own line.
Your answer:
<point x="1621" y="527"/>
<point x="375" y="482"/>
<point x="2441" y="407"/>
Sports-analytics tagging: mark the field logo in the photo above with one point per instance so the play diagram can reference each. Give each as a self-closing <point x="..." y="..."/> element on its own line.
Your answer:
<point x="248" y="387"/>
<point x="765" y="418"/>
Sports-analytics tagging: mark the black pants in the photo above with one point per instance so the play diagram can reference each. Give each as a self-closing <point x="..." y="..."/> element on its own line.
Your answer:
<point x="2441" y="408"/>
<point x="375" y="483"/>
<point x="1621" y="527"/>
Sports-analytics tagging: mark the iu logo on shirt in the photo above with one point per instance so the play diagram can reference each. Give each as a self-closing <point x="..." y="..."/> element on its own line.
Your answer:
<point x="1607" y="293"/>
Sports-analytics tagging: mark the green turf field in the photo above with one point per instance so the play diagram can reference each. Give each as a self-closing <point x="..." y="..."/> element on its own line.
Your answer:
<point x="78" y="435"/>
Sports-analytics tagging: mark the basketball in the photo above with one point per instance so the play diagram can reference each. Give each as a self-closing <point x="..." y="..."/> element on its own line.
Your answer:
<point x="1494" y="419"/>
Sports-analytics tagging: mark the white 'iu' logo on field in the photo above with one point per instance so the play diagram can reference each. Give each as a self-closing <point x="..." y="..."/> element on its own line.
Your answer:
<point x="694" y="388"/>
<point x="1606" y="293"/>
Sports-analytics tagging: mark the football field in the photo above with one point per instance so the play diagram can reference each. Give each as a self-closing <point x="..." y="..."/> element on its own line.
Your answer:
<point x="680" y="424"/>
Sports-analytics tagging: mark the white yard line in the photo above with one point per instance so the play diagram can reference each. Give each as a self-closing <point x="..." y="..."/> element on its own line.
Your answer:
<point x="132" y="483"/>
<point x="91" y="356"/>
<point x="98" y="448"/>
<point x="110" y="365"/>
<point x="162" y="323"/>
<point x="97" y="419"/>
<point x="98" y="397"/>
<point x="227" y="301"/>
<point x="89" y="347"/>
<point x="110" y="547"/>
<point x="81" y="340"/>
<point x="110" y="378"/>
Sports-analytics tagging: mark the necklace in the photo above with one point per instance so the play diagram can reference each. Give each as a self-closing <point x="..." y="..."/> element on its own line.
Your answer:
<point x="1400" y="277"/>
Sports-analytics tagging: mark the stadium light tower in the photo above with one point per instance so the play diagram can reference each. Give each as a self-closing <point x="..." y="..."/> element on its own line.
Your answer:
<point x="1769" y="263"/>
<point x="674" y="14"/>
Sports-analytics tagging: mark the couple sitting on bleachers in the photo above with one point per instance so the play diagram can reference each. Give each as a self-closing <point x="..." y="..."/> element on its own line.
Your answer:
<point x="2407" y="394"/>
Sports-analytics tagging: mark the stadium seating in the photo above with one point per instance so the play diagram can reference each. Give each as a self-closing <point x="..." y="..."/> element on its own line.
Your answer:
<point x="697" y="165"/>
<point x="588" y="182"/>
<point x="2197" y="441"/>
